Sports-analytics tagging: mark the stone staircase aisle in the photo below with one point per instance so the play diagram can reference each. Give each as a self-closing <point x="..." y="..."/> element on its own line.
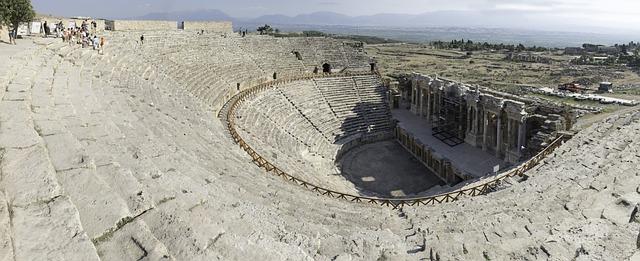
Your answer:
<point x="108" y="196"/>
<point x="149" y="147"/>
<point x="39" y="218"/>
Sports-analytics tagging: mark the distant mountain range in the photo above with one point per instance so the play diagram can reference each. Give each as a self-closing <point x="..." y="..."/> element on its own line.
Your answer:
<point x="484" y="19"/>
<point x="440" y="18"/>
<point x="503" y="27"/>
<point x="199" y="15"/>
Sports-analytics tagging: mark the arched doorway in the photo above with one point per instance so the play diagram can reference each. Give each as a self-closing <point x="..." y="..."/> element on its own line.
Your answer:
<point x="326" y="68"/>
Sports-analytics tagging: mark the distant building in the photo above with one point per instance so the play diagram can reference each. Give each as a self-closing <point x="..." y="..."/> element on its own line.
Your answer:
<point x="608" y="49"/>
<point x="591" y="47"/>
<point x="527" y="57"/>
<point x="573" y="50"/>
<point x="605" y="87"/>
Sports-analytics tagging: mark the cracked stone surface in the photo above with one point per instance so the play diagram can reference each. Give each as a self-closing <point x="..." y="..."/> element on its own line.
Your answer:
<point x="120" y="157"/>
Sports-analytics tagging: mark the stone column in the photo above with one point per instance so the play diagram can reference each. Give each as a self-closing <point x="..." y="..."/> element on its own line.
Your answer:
<point x="476" y="119"/>
<point x="485" y="122"/>
<point x="429" y="99"/>
<point x="461" y="132"/>
<point x="436" y="102"/>
<point x="498" y="134"/>
<point x="417" y="100"/>
<point x="469" y="120"/>
<point x="421" y="100"/>
<point x="509" y="134"/>
<point x="413" y="97"/>
<point x="522" y="134"/>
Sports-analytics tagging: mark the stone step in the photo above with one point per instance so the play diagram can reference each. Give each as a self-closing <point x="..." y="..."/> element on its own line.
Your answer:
<point x="42" y="216"/>
<point x="117" y="198"/>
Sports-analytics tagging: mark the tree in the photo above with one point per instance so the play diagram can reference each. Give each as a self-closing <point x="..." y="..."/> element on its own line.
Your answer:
<point x="14" y="12"/>
<point x="265" y="29"/>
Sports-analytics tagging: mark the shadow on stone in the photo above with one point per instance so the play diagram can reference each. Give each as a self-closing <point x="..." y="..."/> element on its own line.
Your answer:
<point x="375" y="163"/>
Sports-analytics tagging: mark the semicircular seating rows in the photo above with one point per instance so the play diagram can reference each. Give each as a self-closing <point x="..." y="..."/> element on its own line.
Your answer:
<point x="119" y="156"/>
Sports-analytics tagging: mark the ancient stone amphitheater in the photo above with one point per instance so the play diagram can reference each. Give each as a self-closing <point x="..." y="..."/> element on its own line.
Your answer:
<point x="225" y="147"/>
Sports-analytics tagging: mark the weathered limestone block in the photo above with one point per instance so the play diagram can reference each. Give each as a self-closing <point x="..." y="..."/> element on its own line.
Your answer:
<point x="65" y="152"/>
<point x="47" y="127"/>
<point x="137" y="197"/>
<point x="50" y="231"/>
<point x="16" y="130"/>
<point x="27" y="176"/>
<point x="99" y="206"/>
<point x="133" y="241"/>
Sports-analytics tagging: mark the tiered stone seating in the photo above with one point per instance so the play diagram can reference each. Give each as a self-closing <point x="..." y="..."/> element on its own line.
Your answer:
<point x="358" y="102"/>
<point x="95" y="147"/>
<point x="211" y="67"/>
<point x="374" y="95"/>
<point x="290" y="130"/>
<point x="310" y="102"/>
<point x="111" y="157"/>
<point x="37" y="214"/>
<point x="302" y="125"/>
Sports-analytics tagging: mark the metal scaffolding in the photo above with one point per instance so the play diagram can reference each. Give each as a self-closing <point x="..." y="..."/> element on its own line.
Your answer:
<point x="450" y="124"/>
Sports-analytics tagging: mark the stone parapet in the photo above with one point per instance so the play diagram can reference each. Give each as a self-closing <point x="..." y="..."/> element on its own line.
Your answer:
<point x="135" y="25"/>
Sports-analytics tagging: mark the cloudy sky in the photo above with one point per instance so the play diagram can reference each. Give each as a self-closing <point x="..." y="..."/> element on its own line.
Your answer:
<point x="623" y="14"/>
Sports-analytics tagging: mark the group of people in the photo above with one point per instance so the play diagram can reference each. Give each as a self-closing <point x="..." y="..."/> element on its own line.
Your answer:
<point x="243" y="32"/>
<point x="86" y="34"/>
<point x="82" y="35"/>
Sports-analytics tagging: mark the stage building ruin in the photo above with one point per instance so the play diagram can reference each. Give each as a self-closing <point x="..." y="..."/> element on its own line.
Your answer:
<point x="503" y="125"/>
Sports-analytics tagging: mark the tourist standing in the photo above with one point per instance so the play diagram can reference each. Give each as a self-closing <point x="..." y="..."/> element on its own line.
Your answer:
<point x="95" y="42"/>
<point x="46" y="29"/>
<point x="102" y="42"/>
<point x="60" y="29"/>
<point x="69" y="36"/>
<point x="142" y="39"/>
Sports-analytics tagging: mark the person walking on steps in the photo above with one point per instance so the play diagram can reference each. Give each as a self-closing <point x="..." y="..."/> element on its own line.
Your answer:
<point x="142" y="39"/>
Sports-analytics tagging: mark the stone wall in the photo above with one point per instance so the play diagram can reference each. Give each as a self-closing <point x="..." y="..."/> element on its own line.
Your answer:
<point x="440" y="166"/>
<point x="133" y="25"/>
<point x="209" y="26"/>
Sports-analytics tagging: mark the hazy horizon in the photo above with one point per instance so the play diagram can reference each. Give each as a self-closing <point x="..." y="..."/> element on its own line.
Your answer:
<point x="617" y="16"/>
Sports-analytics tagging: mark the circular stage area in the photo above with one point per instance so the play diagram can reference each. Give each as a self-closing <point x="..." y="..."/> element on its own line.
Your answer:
<point x="385" y="169"/>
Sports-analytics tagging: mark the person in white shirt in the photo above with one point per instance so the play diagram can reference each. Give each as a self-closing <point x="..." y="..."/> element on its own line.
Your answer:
<point x="95" y="42"/>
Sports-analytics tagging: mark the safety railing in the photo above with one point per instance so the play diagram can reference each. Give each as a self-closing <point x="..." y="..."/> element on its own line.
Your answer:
<point x="483" y="186"/>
